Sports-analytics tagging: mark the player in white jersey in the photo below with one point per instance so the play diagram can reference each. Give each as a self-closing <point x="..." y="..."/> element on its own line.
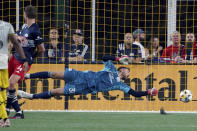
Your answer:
<point x="6" y="32"/>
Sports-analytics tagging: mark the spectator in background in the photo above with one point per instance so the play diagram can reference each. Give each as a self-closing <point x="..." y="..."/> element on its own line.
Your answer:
<point x="190" y="50"/>
<point x="78" y="51"/>
<point x="139" y="37"/>
<point x="54" y="49"/>
<point x="128" y="49"/>
<point x="153" y="50"/>
<point x="174" y="51"/>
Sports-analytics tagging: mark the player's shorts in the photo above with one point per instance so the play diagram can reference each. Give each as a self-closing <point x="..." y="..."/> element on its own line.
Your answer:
<point x="16" y="67"/>
<point x="4" y="82"/>
<point x="75" y="83"/>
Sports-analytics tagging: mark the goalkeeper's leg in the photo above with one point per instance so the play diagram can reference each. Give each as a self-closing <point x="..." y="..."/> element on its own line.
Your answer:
<point x="46" y="74"/>
<point x="43" y="95"/>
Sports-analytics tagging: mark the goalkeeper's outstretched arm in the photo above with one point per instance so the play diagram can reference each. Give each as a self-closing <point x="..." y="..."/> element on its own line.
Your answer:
<point x="134" y="93"/>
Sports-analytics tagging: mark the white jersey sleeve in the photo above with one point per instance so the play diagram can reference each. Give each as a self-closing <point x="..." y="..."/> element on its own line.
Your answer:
<point x="11" y="30"/>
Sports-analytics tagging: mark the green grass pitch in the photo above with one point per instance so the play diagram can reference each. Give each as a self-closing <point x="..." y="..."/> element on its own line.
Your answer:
<point x="104" y="121"/>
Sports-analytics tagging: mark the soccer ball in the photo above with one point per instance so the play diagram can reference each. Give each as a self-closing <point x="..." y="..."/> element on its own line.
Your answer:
<point x="186" y="96"/>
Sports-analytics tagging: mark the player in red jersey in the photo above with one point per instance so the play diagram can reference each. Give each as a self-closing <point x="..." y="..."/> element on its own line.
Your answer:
<point x="32" y="43"/>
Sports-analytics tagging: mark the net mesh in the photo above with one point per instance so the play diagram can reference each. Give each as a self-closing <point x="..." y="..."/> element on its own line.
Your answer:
<point x="113" y="19"/>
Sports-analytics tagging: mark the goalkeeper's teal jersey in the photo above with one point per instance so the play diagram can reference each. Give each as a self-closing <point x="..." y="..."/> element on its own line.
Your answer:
<point x="106" y="79"/>
<point x="78" y="82"/>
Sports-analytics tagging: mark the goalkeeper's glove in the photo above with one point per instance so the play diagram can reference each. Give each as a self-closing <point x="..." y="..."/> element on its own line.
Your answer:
<point x="123" y="60"/>
<point x="152" y="91"/>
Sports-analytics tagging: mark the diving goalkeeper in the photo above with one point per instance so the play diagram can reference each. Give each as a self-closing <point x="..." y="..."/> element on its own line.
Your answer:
<point x="78" y="82"/>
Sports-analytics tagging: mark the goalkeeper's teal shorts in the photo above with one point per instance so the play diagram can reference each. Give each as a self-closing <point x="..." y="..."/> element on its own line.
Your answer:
<point x="75" y="82"/>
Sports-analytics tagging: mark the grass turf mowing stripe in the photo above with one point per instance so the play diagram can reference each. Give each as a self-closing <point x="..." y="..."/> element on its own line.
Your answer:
<point x="103" y="121"/>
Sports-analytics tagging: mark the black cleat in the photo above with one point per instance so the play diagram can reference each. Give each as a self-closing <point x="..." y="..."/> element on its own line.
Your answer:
<point x="18" y="116"/>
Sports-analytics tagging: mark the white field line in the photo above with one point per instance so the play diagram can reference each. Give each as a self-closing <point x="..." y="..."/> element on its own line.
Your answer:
<point x="106" y="111"/>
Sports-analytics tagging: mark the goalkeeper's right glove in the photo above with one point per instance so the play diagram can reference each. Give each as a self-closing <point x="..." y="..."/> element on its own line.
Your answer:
<point x="152" y="91"/>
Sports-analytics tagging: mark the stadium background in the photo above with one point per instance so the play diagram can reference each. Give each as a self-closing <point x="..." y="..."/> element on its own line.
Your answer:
<point x="113" y="20"/>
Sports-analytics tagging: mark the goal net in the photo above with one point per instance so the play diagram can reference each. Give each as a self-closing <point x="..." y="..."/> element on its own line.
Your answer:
<point x="86" y="30"/>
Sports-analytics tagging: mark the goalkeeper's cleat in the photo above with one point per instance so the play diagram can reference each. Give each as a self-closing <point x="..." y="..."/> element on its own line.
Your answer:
<point x="18" y="116"/>
<point x="152" y="91"/>
<point x="23" y="94"/>
<point x="27" y="76"/>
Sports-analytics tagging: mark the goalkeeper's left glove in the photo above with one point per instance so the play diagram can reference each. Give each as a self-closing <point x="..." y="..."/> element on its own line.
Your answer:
<point x="123" y="60"/>
<point x="152" y="91"/>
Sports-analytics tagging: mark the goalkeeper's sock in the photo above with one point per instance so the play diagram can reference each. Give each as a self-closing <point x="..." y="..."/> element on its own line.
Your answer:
<point x="40" y="75"/>
<point x="43" y="95"/>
